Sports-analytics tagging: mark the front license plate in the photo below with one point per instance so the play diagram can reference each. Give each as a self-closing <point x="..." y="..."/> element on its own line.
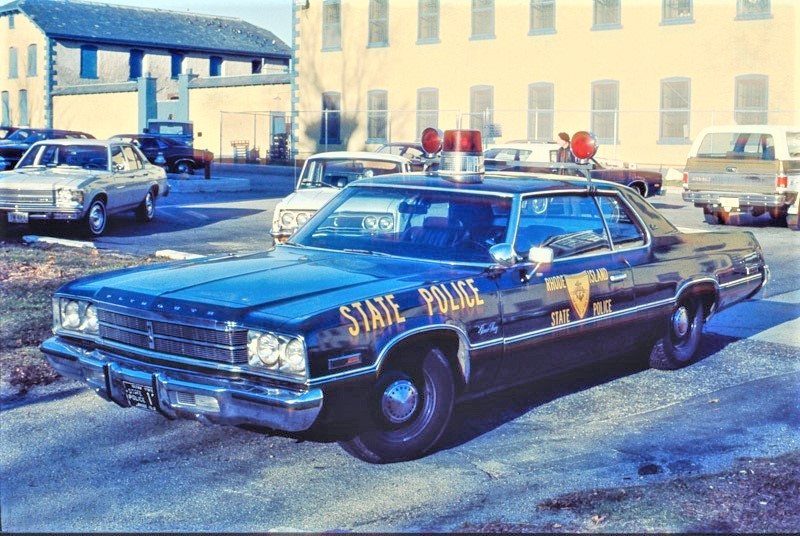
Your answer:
<point x="141" y="396"/>
<point x="729" y="202"/>
<point x="17" y="217"/>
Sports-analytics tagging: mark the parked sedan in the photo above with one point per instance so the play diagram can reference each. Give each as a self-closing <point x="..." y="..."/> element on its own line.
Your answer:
<point x="16" y="143"/>
<point x="80" y="181"/>
<point x="407" y="149"/>
<point x="535" y="157"/>
<point x="173" y="155"/>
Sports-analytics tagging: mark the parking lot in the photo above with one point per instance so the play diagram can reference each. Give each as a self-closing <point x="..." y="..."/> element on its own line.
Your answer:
<point x="97" y="467"/>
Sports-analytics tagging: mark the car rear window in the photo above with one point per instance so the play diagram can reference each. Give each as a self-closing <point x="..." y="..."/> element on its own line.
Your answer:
<point x="737" y="145"/>
<point x="793" y="144"/>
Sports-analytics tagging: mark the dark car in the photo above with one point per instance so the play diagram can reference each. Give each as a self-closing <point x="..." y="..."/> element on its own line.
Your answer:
<point x="372" y="333"/>
<point x="647" y="183"/>
<point x="14" y="146"/>
<point x="175" y="156"/>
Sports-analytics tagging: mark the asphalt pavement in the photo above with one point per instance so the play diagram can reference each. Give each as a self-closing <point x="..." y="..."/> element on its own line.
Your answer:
<point x="72" y="462"/>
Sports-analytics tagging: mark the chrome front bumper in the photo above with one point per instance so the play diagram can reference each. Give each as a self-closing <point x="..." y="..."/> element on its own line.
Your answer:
<point x="745" y="199"/>
<point x="42" y="212"/>
<point x="181" y="394"/>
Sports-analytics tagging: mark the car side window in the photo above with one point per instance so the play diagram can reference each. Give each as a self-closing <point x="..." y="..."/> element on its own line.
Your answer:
<point x="622" y="226"/>
<point x="147" y="143"/>
<point x="118" y="162"/>
<point x="133" y="158"/>
<point x="570" y="225"/>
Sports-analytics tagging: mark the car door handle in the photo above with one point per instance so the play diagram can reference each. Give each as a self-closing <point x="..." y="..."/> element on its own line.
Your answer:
<point x="616" y="278"/>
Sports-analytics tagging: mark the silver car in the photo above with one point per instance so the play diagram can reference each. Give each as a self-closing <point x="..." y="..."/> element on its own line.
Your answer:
<point x="81" y="181"/>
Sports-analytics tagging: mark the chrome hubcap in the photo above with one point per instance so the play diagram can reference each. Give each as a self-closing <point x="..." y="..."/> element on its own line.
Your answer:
<point x="148" y="203"/>
<point x="680" y="321"/>
<point x="97" y="217"/>
<point x="399" y="401"/>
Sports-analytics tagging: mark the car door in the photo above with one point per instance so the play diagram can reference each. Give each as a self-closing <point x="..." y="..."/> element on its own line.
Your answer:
<point x="119" y="196"/>
<point x="138" y="177"/>
<point x="565" y="314"/>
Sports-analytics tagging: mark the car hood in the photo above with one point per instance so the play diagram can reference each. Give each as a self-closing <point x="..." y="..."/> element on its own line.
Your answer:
<point x="40" y="178"/>
<point x="283" y="283"/>
<point x="308" y="198"/>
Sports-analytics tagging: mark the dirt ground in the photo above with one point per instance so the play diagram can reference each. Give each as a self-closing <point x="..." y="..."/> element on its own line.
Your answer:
<point x="28" y="277"/>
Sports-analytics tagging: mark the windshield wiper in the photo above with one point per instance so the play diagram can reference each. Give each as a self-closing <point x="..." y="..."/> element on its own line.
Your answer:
<point x="366" y="252"/>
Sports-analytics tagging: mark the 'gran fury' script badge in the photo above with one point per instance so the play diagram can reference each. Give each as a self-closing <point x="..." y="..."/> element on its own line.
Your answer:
<point x="578" y="287"/>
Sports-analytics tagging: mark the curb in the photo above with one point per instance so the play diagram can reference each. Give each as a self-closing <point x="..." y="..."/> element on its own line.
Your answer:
<point x="35" y="239"/>
<point x="187" y="186"/>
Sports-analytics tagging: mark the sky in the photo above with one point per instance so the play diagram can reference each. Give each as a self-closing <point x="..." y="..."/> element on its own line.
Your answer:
<point x="274" y="15"/>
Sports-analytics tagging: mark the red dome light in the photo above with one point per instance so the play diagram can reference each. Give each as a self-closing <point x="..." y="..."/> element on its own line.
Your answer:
<point x="431" y="140"/>
<point x="583" y="145"/>
<point x="462" y="141"/>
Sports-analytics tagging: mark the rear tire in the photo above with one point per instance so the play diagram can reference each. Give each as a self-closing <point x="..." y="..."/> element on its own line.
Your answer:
<point x="184" y="168"/>
<point x="147" y="209"/>
<point x="410" y="408"/>
<point x="678" y="347"/>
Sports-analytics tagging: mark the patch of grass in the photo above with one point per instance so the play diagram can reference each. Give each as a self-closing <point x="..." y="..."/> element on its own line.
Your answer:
<point x="28" y="278"/>
<point x="757" y="495"/>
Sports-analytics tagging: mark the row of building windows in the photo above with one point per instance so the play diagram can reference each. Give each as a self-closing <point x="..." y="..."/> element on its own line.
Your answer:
<point x="751" y="92"/>
<point x="5" y="105"/>
<point x="13" y="61"/>
<point x="607" y="14"/>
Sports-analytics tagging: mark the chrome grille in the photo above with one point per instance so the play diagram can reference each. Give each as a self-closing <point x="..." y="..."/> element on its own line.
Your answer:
<point x="174" y="339"/>
<point x="9" y="195"/>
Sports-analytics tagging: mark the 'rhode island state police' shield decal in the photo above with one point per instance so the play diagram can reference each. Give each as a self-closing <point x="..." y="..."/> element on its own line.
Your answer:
<point x="578" y="288"/>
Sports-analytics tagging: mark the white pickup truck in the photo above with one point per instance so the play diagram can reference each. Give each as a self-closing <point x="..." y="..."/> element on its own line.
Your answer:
<point x="740" y="169"/>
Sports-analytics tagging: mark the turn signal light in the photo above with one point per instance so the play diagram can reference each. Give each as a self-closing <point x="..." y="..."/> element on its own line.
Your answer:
<point x="781" y="183"/>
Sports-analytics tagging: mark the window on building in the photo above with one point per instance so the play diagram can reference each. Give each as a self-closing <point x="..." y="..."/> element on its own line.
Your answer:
<point x="378" y="22"/>
<point x="331" y="25"/>
<point x="215" y="66"/>
<point x="481" y="108"/>
<point x="751" y="100"/>
<point x="428" y="22"/>
<point x="605" y="110"/>
<point x="135" y="64"/>
<point x="540" y="112"/>
<point x="607" y="13"/>
<point x="752" y="9"/>
<point x="482" y="18"/>
<point x="675" y="109"/>
<point x="256" y="66"/>
<point x="330" y="131"/>
<point x="6" y="112"/>
<point x="676" y="10"/>
<point x="24" y="120"/>
<point x="88" y="61"/>
<point x="427" y="109"/>
<point x="32" y="60"/>
<point x="176" y="63"/>
<point x="543" y="16"/>
<point x="11" y="22"/>
<point x="12" y="63"/>
<point x="377" y="116"/>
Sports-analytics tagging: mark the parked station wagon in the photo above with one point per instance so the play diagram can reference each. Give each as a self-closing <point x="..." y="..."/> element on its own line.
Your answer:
<point x="488" y="280"/>
<point x="82" y="182"/>
<point x="745" y="169"/>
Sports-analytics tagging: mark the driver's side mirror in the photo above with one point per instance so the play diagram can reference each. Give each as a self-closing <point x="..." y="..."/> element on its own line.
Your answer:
<point x="118" y="167"/>
<point x="540" y="256"/>
<point x="503" y="254"/>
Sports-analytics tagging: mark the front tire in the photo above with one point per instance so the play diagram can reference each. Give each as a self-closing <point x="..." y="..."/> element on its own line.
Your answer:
<point x="678" y="347"/>
<point x="410" y="408"/>
<point x="147" y="209"/>
<point x="184" y="167"/>
<point x="94" y="223"/>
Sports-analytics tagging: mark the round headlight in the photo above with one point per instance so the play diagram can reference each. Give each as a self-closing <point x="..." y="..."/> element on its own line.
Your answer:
<point x="370" y="223"/>
<point x="287" y="219"/>
<point x="268" y="349"/>
<point x="90" y="322"/>
<point x="386" y="223"/>
<point x="302" y="217"/>
<point x="295" y="356"/>
<point x="70" y="315"/>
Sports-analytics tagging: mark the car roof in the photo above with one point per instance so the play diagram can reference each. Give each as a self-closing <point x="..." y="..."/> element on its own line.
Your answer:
<point x="757" y="129"/>
<point x="80" y="141"/>
<point x="360" y="155"/>
<point x="491" y="182"/>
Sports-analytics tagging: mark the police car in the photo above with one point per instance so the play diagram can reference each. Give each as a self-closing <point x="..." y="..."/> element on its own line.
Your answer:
<point x="481" y="281"/>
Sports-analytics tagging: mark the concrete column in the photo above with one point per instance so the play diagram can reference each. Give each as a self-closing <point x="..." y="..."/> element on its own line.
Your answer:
<point x="148" y="107"/>
<point x="182" y="113"/>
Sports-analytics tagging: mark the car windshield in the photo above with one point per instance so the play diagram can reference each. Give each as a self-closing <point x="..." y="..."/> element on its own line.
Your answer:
<point x="410" y="222"/>
<point x="81" y="156"/>
<point x="25" y="136"/>
<point x="339" y="172"/>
